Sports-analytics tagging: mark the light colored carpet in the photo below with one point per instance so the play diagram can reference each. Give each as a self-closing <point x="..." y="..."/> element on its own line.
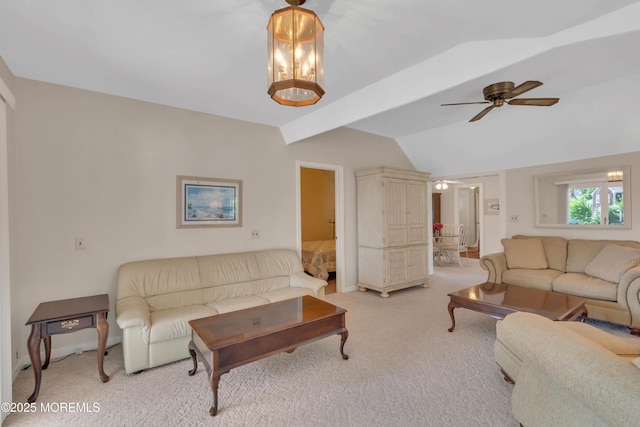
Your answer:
<point x="405" y="369"/>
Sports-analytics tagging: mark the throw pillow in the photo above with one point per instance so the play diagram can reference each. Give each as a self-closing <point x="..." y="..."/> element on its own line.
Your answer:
<point x="612" y="262"/>
<point x="525" y="253"/>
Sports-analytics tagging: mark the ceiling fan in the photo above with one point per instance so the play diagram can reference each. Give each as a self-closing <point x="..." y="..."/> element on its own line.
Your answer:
<point x="498" y="93"/>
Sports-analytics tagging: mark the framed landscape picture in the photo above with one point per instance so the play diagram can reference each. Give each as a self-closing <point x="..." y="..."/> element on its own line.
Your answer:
<point x="208" y="202"/>
<point x="491" y="207"/>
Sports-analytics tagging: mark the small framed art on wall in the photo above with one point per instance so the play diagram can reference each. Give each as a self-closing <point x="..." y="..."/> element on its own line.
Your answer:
<point x="491" y="207"/>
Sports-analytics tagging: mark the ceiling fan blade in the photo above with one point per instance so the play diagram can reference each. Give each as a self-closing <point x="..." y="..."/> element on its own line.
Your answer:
<point x="466" y="103"/>
<point x="481" y="114"/>
<point x="540" y="102"/>
<point x="522" y="88"/>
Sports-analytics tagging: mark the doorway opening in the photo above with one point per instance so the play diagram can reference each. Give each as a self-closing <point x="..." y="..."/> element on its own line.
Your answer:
<point x="320" y="218"/>
<point x="469" y="213"/>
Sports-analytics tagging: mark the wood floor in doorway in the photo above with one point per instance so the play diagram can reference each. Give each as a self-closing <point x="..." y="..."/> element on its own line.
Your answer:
<point x="331" y="287"/>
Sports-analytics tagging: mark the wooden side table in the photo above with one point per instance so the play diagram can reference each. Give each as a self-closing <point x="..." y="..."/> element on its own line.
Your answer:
<point x="61" y="317"/>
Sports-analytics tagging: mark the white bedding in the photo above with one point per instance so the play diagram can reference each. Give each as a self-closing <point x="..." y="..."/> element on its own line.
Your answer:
<point x="319" y="257"/>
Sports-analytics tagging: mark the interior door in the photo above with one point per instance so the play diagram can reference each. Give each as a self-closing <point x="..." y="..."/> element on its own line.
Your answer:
<point x="321" y="212"/>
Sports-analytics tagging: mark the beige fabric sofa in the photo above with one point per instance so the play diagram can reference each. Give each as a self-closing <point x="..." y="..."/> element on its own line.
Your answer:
<point x="568" y="373"/>
<point x="605" y="272"/>
<point x="156" y="298"/>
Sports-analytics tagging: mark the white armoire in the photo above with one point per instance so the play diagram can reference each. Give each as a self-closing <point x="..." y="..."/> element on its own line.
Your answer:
<point x="392" y="229"/>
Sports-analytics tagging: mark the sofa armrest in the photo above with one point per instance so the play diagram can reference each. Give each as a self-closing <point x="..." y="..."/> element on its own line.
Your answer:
<point x="558" y="364"/>
<point x="629" y="294"/>
<point x="133" y="311"/>
<point x="300" y="279"/>
<point x="495" y="264"/>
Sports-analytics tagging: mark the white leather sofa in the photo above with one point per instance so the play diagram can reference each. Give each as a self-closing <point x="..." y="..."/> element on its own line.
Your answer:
<point x="156" y="298"/>
<point x="568" y="373"/>
<point x="605" y="272"/>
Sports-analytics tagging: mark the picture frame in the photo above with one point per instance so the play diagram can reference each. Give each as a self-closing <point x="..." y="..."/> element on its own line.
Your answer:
<point x="492" y="207"/>
<point x="208" y="202"/>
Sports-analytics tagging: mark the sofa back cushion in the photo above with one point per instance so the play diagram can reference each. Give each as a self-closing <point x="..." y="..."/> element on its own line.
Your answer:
<point x="247" y="273"/>
<point x="223" y="269"/>
<point x="555" y="249"/>
<point x="581" y="252"/>
<point x="525" y="254"/>
<point x="164" y="283"/>
<point x="176" y="282"/>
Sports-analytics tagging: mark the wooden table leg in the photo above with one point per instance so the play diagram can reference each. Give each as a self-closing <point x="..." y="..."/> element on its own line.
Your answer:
<point x="344" y="335"/>
<point x="103" y="332"/>
<point x="33" y="345"/>
<point x="47" y="351"/>
<point x="584" y="315"/>
<point x="215" y="379"/>
<point x="453" y="319"/>
<point x="192" y="352"/>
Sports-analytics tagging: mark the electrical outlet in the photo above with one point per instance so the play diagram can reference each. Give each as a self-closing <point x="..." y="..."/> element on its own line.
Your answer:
<point x="514" y="218"/>
<point x="255" y="234"/>
<point x="80" y="244"/>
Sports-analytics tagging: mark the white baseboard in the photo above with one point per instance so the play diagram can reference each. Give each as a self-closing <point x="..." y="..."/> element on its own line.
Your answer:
<point x="57" y="353"/>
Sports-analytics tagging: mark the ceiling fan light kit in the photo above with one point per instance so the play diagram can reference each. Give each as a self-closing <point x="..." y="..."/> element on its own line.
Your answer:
<point x="441" y="185"/>
<point x="498" y="93"/>
<point x="295" y="56"/>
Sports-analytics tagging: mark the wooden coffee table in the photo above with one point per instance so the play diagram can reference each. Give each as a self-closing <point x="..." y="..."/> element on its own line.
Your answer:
<point x="226" y="341"/>
<point x="498" y="300"/>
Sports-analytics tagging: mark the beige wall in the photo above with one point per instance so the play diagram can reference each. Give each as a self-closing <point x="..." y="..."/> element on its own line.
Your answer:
<point x="520" y="197"/>
<point x="317" y="203"/>
<point x="104" y="168"/>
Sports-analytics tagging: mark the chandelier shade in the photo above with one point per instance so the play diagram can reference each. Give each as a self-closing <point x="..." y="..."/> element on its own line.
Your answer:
<point x="295" y="55"/>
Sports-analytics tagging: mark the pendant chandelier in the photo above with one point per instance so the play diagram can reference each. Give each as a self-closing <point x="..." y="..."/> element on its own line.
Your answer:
<point x="295" y="55"/>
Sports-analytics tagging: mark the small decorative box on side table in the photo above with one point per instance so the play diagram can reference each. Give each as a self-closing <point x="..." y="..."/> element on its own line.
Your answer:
<point x="61" y="317"/>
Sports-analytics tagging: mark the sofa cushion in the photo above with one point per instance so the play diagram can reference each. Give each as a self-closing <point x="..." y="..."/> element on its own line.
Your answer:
<point x="586" y="286"/>
<point x="537" y="279"/>
<point x="238" y="303"/>
<point x="174" y="322"/>
<point x="581" y="252"/>
<point x="158" y="277"/>
<point x="612" y="262"/>
<point x="286" y="293"/>
<point x="555" y="248"/>
<point x="525" y="253"/>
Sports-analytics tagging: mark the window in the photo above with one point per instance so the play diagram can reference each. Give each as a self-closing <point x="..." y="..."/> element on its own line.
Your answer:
<point x="590" y="198"/>
<point x="595" y="203"/>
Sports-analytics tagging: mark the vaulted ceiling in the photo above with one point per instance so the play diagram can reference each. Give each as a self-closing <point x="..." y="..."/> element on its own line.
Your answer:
<point x="388" y="67"/>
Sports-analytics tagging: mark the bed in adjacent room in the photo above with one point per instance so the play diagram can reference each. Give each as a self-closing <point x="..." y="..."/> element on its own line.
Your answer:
<point x="319" y="258"/>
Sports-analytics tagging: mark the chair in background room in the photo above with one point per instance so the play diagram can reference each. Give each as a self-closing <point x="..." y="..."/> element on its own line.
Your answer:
<point x="449" y="244"/>
<point x="464" y="247"/>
